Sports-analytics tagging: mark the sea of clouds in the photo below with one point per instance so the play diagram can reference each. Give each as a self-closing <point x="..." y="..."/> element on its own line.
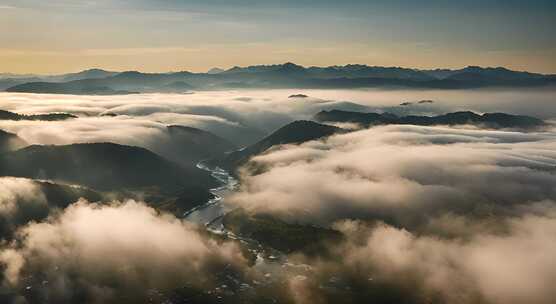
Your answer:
<point x="441" y="214"/>
<point x="463" y="216"/>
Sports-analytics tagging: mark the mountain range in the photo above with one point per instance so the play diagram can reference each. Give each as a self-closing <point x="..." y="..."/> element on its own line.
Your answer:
<point x="302" y="131"/>
<point x="287" y="75"/>
<point x="489" y="120"/>
<point x="172" y="183"/>
<point x="105" y="167"/>
<point x="293" y="133"/>
<point x="7" y="115"/>
<point x="9" y="79"/>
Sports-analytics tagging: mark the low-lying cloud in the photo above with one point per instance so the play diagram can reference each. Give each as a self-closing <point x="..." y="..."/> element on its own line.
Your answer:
<point x="511" y="267"/>
<point x="100" y="253"/>
<point x="21" y="200"/>
<point x="431" y="214"/>
<point x="403" y="175"/>
<point x="16" y="191"/>
<point x="242" y="117"/>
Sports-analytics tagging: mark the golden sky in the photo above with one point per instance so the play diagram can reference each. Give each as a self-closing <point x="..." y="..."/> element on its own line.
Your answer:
<point x="67" y="36"/>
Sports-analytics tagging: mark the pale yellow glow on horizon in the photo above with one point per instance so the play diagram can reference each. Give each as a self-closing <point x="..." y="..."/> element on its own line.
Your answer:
<point x="201" y="59"/>
<point x="55" y="37"/>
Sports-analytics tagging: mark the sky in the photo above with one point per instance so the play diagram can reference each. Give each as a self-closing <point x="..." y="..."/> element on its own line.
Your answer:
<point x="59" y="36"/>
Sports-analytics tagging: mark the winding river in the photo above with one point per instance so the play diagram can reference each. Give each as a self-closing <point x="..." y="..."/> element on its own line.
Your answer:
<point x="210" y="214"/>
<point x="271" y="264"/>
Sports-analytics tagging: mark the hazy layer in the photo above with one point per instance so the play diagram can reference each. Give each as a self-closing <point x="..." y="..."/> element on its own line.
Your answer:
<point x="456" y="215"/>
<point x="240" y="116"/>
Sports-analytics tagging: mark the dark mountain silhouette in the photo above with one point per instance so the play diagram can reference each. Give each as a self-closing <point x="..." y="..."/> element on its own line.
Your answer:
<point x="482" y="72"/>
<point x="87" y="74"/>
<point x="187" y="145"/>
<point x="215" y="71"/>
<point x="10" y="141"/>
<point x="499" y="73"/>
<point x="298" y="96"/>
<point x="121" y="83"/>
<point x="355" y="117"/>
<point x="355" y="75"/>
<point x="364" y="71"/>
<point x="288" y="67"/>
<point x="103" y="166"/>
<point x="490" y="120"/>
<point x="10" y="80"/>
<point x="294" y="133"/>
<point x="7" y="115"/>
<point x="6" y="83"/>
<point x="288" y="75"/>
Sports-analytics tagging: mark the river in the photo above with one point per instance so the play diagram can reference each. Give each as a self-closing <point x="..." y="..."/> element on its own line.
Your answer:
<point x="210" y="214"/>
<point x="271" y="266"/>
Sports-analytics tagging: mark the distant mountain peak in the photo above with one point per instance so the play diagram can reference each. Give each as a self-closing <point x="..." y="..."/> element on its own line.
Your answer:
<point x="95" y="70"/>
<point x="215" y="71"/>
<point x="284" y="75"/>
<point x="480" y="68"/>
<point x="131" y="73"/>
<point x="93" y="73"/>
<point x="285" y="67"/>
<point x="234" y="69"/>
<point x="291" y="65"/>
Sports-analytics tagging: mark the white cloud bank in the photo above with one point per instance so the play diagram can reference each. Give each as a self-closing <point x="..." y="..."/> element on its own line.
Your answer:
<point x="108" y="251"/>
<point x="434" y="214"/>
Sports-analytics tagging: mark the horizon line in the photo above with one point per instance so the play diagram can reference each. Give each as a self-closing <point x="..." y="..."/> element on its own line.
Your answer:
<point x="272" y="64"/>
